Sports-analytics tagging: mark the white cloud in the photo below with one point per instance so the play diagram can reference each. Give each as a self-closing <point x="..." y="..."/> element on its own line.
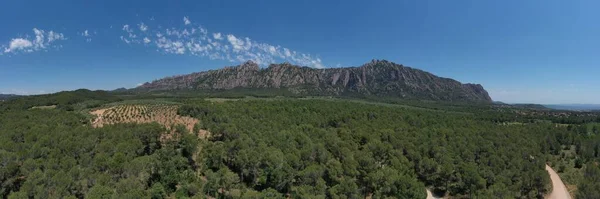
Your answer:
<point x="287" y="52"/>
<point x="53" y="36"/>
<point x="203" y="31"/>
<point x="39" y="37"/>
<point x="197" y="41"/>
<point x="170" y="46"/>
<point x="197" y="49"/>
<point x="177" y="33"/>
<point x="143" y="27"/>
<point x="127" y="41"/>
<point x="43" y="39"/>
<point x="236" y="43"/>
<point x="87" y="35"/>
<point x="126" y="28"/>
<point x="131" y="36"/>
<point x="178" y="46"/>
<point x="186" y="21"/>
<point x="272" y="50"/>
<point x="185" y="33"/>
<point x="217" y="36"/>
<point x="18" y="44"/>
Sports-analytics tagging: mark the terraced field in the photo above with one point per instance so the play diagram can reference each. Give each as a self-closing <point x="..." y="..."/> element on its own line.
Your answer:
<point x="164" y="114"/>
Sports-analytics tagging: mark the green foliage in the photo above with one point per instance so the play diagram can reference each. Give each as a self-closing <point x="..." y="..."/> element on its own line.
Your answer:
<point x="290" y="148"/>
<point x="100" y="192"/>
<point x="336" y="149"/>
<point x="578" y="163"/>
<point x="66" y="100"/>
<point x="590" y="187"/>
<point x="158" y="191"/>
<point x="49" y="153"/>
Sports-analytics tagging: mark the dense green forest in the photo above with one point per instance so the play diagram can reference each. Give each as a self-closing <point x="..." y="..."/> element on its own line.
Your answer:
<point x="53" y="154"/>
<point x="292" y="148"/>
<point x="320" y="147"/>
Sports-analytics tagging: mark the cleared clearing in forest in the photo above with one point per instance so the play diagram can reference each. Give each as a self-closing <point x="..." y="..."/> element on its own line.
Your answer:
<point x="164" y="114"/>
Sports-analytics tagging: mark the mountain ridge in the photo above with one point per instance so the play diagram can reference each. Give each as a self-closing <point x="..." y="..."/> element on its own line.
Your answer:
<point x="375" y="78"/>
<point x="574" y="107"/>
<point x="7" y="96"/>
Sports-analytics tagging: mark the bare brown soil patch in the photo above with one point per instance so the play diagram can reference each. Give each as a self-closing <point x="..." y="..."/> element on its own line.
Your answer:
<point x="165" y="115"/>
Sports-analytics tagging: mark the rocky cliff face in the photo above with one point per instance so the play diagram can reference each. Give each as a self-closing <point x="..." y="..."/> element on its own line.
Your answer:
<point x="377" y="78"/>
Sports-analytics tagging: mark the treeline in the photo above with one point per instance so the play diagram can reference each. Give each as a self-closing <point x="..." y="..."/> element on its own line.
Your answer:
<point x="65" y="100"/>
<point x="500" y="115"/>
<point x="324" y="149"/>
<point x="235" y="93"/>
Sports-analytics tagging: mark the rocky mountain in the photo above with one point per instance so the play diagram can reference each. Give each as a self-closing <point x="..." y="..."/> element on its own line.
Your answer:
<point x="376" y="78"/>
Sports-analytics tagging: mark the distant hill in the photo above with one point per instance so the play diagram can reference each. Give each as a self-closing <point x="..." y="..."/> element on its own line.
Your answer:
<point x="119" y="90"/>
<point x="63" y="100"/>
<point x="531" y="106"/>
<point x="7" y="96"/>
<point x="574" y="107"/>
<point x="376" y="78"/>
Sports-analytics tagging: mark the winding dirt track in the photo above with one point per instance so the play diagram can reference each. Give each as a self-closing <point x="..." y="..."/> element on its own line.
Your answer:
<point x="430" y="195"/>
<point x="559" y="190"/>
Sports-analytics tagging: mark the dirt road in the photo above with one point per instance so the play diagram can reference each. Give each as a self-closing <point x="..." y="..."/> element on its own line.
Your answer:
<point x="559" y="191"/>
<point x="430" y="195"/>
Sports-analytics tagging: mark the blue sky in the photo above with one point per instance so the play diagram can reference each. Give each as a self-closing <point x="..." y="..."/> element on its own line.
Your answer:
<point x="537" y="51"/>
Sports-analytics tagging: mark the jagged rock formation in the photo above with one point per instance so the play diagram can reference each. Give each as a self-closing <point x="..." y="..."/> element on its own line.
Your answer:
<point x="377" y="78"/>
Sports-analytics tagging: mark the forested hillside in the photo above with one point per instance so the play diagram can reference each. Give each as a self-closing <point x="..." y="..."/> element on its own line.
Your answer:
<point x="289" y="148"/>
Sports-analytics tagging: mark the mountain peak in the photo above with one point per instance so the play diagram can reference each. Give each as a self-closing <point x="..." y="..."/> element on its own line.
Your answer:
<point x="247" y="66"/>
<point x="375" y="78"/>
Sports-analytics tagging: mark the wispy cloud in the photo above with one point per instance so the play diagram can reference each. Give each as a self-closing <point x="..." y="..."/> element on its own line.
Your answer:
<point x="186" y="21"/>
<point x="193" y="39"/>
<point x="87" y="34"/>
<point x="42" y="41"/>
<point x="143" y="27"/>
<point x="130" y="37"/>
<point x="217" y="36"/>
